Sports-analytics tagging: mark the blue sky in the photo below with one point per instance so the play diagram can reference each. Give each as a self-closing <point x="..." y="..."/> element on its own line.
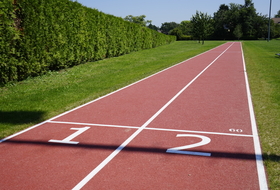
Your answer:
<point x="160" y="11"/>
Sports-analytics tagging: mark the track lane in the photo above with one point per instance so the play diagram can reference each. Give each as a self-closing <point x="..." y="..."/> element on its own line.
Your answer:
<point x="217" y="101"/>
<point x="29" y="161"/>
<point x="221" y="106"/>
<point x="137" y="103"/>
<point x="143" y="162"/>
<point x="127" y="141"/>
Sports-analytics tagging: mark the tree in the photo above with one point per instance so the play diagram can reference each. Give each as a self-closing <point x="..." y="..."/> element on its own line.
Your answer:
<point x="227" y="18"/>
<point x="176" y="32"/>
<point x="248" y="3"/>
<point x="221" y="22"/>
<point x="261" y="26"/>
<point x="168" y="26"/>
<point x="153" y="27"/>
<point x="275" y="29"/>
<point x="202" y="26"/>
<point x="138" y="20"/>
<point x="186" y="27"/>
<point x="238" y="31"/>
<point x="247" y="18"/>
<point x="277" y="15"/>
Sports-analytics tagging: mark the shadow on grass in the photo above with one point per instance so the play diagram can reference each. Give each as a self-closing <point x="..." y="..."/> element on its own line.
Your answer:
<point x="152" y="150"/>
<point x="271" y="157"/>
<point x="20" y="117"/>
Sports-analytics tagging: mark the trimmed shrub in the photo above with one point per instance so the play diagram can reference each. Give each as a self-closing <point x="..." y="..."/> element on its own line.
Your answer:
<point x="42" y="35"/>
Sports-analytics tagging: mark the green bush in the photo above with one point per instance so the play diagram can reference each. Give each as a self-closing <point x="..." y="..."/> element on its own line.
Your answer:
<point x="9" y="40"/>
<point x="42" y="35"/>
<point x="186" y="37"/>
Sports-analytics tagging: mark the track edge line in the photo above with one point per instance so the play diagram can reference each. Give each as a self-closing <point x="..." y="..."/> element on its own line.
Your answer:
<point x="64" y="113"/>
<point x="258" y="152"/>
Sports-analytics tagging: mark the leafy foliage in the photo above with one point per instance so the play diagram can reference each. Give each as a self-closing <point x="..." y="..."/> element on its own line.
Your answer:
<point x="186" y="27"/>
<point x="278" y="14"/>
<point x="168" y="26"/>
<point x="177" y="32"/>
<point x="238" y="31"/>
<point x="153" y="27"/>
<point x="138" y="20"/>
<point x="39" y="36"/>
<point x="231" y="18"/>
<point x="202" y="26"/>
<point x="9" y="40"/>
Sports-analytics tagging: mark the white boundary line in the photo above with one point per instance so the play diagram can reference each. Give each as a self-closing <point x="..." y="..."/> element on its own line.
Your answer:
<point x="257" y="146"/>
<point x="132" y="84"/>
<point x="94" y="124"/>
<point x="23" y="131"/>
<point x="148" y="128"/>
<point x="202" y="132"/>
<point x="32" y="127"/>
<point x="82" y="183"/>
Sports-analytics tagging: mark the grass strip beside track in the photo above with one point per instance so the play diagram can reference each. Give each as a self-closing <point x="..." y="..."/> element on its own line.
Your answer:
<point x="263" y="68"/>
<point x="29" y="102"/>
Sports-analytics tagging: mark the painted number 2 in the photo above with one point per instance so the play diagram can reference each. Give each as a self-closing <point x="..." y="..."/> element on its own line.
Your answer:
<point x="68" y="139"/>
<point x="181" y="149"/>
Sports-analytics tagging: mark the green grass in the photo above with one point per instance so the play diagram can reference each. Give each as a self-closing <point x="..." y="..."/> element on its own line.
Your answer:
<point x="263" y="68"/>
<point x="29" y="102"/>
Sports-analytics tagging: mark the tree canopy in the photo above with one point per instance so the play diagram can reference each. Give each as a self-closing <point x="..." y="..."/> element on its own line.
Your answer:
<point x="186" y="27"/>
<point x="234" y="19"/>
<point x="201" y="26"/>
<point x="277" y="15"/>
<point x="138" y="20"/>
<point x="168" y="26"/>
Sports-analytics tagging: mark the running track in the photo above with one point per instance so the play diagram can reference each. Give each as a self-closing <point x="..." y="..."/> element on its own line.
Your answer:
<point x="190" y="126"/>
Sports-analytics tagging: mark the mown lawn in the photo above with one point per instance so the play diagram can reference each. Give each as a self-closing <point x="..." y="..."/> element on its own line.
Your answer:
<point x="263" y="68"/>
<point x="29" y="102"/>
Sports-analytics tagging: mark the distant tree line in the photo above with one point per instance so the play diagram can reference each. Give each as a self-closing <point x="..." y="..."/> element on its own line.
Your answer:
<point x="237" y="21"/>
<point x="230" y="22"/>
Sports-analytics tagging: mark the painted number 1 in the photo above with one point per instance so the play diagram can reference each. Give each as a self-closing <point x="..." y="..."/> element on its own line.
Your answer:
<point x="68" y="139"/>
<point x="181" y="149"/>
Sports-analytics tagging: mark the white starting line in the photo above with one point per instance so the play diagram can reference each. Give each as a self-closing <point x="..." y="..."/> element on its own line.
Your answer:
<point x="156" y="129"/>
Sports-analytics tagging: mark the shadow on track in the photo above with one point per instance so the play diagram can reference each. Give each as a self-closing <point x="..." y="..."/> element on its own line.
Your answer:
<point x="153" y="150"/>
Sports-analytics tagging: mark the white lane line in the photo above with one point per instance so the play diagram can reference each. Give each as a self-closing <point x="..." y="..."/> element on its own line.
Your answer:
<point x="202" y="132"/>
<point x="94" y="124"/>
<point x="34" y="126"/>
<point x="132" y="84"/>
<point x="153" y="129"/>
<point x="127" y="141"/>
<point x="257" y="146"/>
<point x="21" y="132"/>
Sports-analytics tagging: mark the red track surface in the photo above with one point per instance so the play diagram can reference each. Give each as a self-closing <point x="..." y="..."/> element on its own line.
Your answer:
<point x="202" y="100"/>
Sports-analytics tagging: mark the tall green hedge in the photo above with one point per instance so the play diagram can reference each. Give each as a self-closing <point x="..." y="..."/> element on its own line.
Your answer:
<point x="42" y="35"/>
<point x="9" y="39"/>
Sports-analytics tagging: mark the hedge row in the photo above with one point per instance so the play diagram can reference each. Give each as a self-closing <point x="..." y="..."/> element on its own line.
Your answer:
<point x="42" y="35"/>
